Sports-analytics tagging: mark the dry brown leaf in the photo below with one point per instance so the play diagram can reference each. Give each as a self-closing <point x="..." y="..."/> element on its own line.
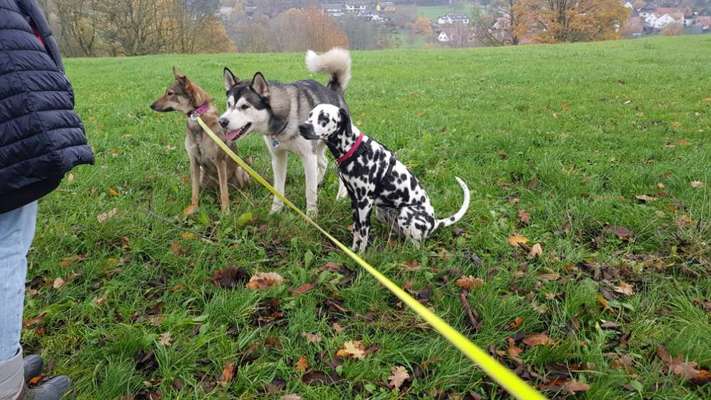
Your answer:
<point x="353" y="349"/>
<point x="71" y="260"/>
<point x="177" y="249"/>
<point x="523" y="217"/>
<point x="470" y="282"/>
<point x="58" y="283"/>
<point x="687" y="370"/>
<point x="166" y="339"/>
<point x="412" y="265"/>
<point x="574" y="387"/>
<point x="303" y="289"/>
<point x="337" y="327"/>
<point x="291" y="396"/>
<point x="397" y="377"/>
<point x="549" y="277"/>
<point x="312" y="337"/>
<point x="697" y="184"/>
<point x="536" y="251"/>
<point x="113" y="192"/>
<point x="643" y="198"/>
<point x="602" y="301"/>
<point x="265" y="280"/>
<point x="513" y="351"/>
<point x="70" y="177"/>
<point x="625" y="288"/>
<point x="36" y="380"/>
<point x="302" y="365"/>
<point x="516" y="323"/>
<point x="228" y="373"/>
<point x="516" y="240"/>
<point x="103" y="217"/>
<point x="537" y="339"/>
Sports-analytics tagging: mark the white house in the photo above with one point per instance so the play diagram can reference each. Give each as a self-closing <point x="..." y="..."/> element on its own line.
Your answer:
<point x="661" y="17"/>
<point x="443" y="38"/>
<point x="450" y="19"/>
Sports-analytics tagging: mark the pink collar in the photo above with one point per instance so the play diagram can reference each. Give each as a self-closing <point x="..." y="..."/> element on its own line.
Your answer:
<point x="200" y="111"/>
<point x="352" y="151"/>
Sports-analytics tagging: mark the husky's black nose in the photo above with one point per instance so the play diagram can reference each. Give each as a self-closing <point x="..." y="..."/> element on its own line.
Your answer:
<point x="224" y="122"/>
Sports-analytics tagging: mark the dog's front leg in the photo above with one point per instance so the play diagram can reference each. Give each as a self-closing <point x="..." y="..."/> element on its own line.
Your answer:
<point x="311" y="176"/>
<point x="361" y="224"/>
<point x="279" y="165"/>
<point x="224" y="190"/>
<point x="195" y="179"/>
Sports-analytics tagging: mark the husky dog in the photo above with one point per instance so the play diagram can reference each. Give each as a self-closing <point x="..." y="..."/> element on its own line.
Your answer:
<point x="375" y="178"/>
<point x="209" y="165"/>
<point x="276" y="109"/>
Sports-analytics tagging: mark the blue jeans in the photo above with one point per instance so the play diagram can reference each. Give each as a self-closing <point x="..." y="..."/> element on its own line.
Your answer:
<point x="17" y="229"/>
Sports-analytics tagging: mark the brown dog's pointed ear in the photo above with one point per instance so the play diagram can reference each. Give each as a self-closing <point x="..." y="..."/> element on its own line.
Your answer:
<point x="230" y="79"/>
<point x="260" y="85"/>
<point x="180" y="76"/>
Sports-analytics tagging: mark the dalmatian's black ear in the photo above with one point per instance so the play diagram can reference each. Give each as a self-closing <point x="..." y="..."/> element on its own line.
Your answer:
<point x="345" y="120"/>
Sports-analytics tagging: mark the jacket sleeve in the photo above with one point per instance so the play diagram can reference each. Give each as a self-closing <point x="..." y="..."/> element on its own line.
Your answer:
<point x="34" y="11"/>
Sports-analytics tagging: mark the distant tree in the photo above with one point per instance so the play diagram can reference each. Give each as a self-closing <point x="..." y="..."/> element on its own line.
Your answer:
<point x="80" y="23"/>
<point x="674" y="29"/>
<point x="422" y="26"/>
<point x="365" y="35"/>
<point x="551" y="21"/>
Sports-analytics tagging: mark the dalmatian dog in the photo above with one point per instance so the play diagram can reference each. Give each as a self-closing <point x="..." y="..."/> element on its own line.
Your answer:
<point x="374" y="178"/>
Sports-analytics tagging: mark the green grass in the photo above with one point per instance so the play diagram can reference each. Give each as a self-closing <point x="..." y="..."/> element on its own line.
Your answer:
<point x="433" y="12"/>
<point x="569" y="133"/>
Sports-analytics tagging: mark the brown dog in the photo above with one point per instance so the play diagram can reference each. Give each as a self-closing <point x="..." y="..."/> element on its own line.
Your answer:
<point x="209" y="165"/>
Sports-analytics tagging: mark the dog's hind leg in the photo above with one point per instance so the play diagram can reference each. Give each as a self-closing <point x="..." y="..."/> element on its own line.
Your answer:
<point x="279" y="165"/>
<point x="311" y="172"/>
<point x="224" y="189"/>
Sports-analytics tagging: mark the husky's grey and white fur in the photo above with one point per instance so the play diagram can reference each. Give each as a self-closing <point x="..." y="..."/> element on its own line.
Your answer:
<point x="276" y="109"/>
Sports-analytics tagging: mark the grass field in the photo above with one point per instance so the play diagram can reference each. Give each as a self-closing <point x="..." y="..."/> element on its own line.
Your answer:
<point x="433" y="12"/>
<point x="556" y="143"/>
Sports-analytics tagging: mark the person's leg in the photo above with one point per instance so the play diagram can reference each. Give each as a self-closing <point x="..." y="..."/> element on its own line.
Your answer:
<point x="17" y="229"/>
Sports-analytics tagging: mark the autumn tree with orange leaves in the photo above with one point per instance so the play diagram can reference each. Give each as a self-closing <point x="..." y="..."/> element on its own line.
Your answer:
<point x="552" y="21"/>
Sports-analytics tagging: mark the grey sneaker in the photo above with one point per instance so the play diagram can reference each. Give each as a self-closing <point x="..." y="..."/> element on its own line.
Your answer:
<point x="51" y="389"/>
<point x="33" y="366"/>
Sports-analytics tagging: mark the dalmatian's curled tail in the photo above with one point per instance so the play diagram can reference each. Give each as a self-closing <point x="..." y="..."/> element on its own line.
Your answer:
<point x="462" y="211"/>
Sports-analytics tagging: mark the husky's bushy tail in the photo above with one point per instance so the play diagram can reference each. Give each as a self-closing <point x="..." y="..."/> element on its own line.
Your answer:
<point x="463" y="210"/>
<point x="335" y="62"/>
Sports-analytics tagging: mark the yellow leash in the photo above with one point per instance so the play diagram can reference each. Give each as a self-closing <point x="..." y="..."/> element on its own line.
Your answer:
<point x="507" y="379"/>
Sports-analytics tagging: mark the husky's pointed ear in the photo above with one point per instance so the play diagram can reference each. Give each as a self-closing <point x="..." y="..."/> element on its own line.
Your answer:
<point x="178" y="74"/>
<point x="230" y="79"/>
<point x="260" y="85"/>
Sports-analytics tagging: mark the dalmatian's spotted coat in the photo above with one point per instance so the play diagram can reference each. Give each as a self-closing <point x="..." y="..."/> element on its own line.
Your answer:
<point x="374" y="178"/>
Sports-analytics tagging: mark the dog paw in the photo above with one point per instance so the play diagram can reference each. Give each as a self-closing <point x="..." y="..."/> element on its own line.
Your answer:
<point x="190" y="210"/>
<point x="312" y="212"/>
<point x="276" y="208"/>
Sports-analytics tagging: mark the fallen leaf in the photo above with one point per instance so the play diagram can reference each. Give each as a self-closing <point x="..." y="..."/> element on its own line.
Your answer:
<point x="621" y="232"/>
<point x="523" y="217"/>
<point x="165" y="339"/>
<point x="397" y="377"/>
<point x="71" y="260"/>
<point x="574" y="387"/>
<point x="312" y="337"/>
<point x="228" y="278"/>
<point x="228" y="373"/>
<point x="305" y="288"/>
<point x="291" y="397"/>
<point x="643" y="198"/>
<point x="687" y="370"/>
<point x="603" y="302"/>
<point x="470" y="282"/>
<point x="177" y="249"/>
<point x="661" y="186"/>
<point x="187" y="236"/>
<point x="337" y="327"/>
<point x="353" y="349"/>
<point x="412" y="265"/>
<point x="549" y="277"/>
<point x="113" y="192"/>
<point x="516" y="323"/>
<point x="103" y="217"/>
<point x="625" y="288"/>
<point x="58" y="283"/>
<point x="513" y="351"/>
<point x="537" y="339"/>
<point x="302" y="365"/>
<point x="516" y="240"/>
<point x="265" y="280"/>
<point x="36" y="380"/>
<point x="697" y="184"/>
<point x="536" y="251"/>
<point x="70" y="177"/>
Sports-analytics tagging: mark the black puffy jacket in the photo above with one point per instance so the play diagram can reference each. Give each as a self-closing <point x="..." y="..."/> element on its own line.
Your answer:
<point x="41" y="137"/>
